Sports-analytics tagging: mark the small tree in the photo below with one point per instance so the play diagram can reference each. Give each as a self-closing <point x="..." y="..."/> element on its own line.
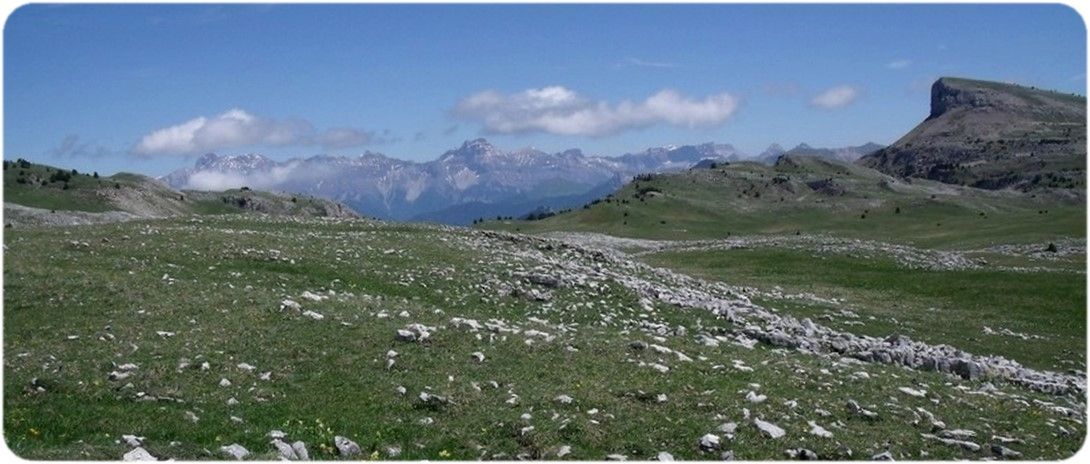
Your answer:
<point x="1051" y="248"/>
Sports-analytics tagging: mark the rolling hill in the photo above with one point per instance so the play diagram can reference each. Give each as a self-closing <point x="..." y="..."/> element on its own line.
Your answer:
<point x="40" y="194"/>
<point x="807" y="195"/>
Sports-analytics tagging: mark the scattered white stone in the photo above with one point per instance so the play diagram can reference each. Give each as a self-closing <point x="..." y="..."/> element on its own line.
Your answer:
<point x="913" y="392"/>
<point x="138" y="454"/>
<point x="313" y="315"/>
<point x="312" y="296"/>
<point x="563" y="399"/>
<point x="563" y="451"/>
<point x="664" y="456"/>
<point x="225" y="383"/>
<point x="770" y="429"/>
<point x="284" y="450"/>
<point x="300" y="449"/>
<point x="728" y="428"/>
<point x="133" y="440"/>
<point x="346" y="447"/>
<point x="236" y="451"/>
<point x="818" y="430"/>
<point x="953" y="442"/>
<point x="709" y="442"/>
<point x="755" y="398"/>
<point x="659" y="367"/>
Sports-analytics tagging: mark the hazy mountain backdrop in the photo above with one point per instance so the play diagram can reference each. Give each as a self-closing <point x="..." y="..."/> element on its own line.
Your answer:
<point x="472" y="181"/>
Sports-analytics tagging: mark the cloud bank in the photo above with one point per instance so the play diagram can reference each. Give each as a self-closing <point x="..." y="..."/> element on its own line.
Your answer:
<point x="560" y="111"/>
<point x="836" y="97"/>
<point x="238" y="128"/>
<point x="263" y="180"/>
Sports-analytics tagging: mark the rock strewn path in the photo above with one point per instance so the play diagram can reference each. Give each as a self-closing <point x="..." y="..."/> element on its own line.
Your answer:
<point x="756" y="323"/>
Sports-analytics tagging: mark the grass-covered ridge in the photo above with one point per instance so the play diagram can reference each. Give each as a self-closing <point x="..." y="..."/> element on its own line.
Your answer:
<point x="69" y="191"/>
<point x="811" y="195"/>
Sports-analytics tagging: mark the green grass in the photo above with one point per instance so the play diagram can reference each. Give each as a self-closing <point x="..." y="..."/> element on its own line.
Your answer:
<point x="217" y="283"/>
<point x="53" y="194"/>
<point x="48" y="187"/>
<point x="742" y="198"/>
<point x="933" y="306"/>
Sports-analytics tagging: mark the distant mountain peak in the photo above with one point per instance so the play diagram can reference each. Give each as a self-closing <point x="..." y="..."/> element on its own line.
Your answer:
<point x="469" y="181"/>
<point x="212" y="161"/>
<point x="473" y="150"/>
<point x="207" y="159"/>
<point x="775" y="149"/>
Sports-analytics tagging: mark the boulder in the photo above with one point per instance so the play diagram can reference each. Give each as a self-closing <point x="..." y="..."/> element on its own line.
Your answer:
<point x="346" y="447"/>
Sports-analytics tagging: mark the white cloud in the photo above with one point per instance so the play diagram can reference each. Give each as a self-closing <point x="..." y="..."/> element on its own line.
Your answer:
<point x="558" y="110"/>
<point x="835" y="97"/>
<point x="238" y="128"/>
<point x="898" y="64"/>
<point x="217" y="181"/>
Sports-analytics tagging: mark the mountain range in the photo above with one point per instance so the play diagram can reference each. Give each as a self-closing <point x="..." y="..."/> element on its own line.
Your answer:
<point x="846" y="154"/>
<point x="473" y="181"/>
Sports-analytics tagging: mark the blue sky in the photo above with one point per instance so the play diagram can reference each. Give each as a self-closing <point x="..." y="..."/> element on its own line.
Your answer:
<point x="145" y="88"/>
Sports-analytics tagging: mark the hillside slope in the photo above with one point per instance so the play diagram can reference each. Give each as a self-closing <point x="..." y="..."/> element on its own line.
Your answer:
<point x="992" y="135"/>
<point x="40" y="194"/>
<point x="807" y="195"/>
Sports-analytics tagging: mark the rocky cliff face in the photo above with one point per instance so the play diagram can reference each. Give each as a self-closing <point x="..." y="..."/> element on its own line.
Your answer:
<point x="993" y="135"/>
